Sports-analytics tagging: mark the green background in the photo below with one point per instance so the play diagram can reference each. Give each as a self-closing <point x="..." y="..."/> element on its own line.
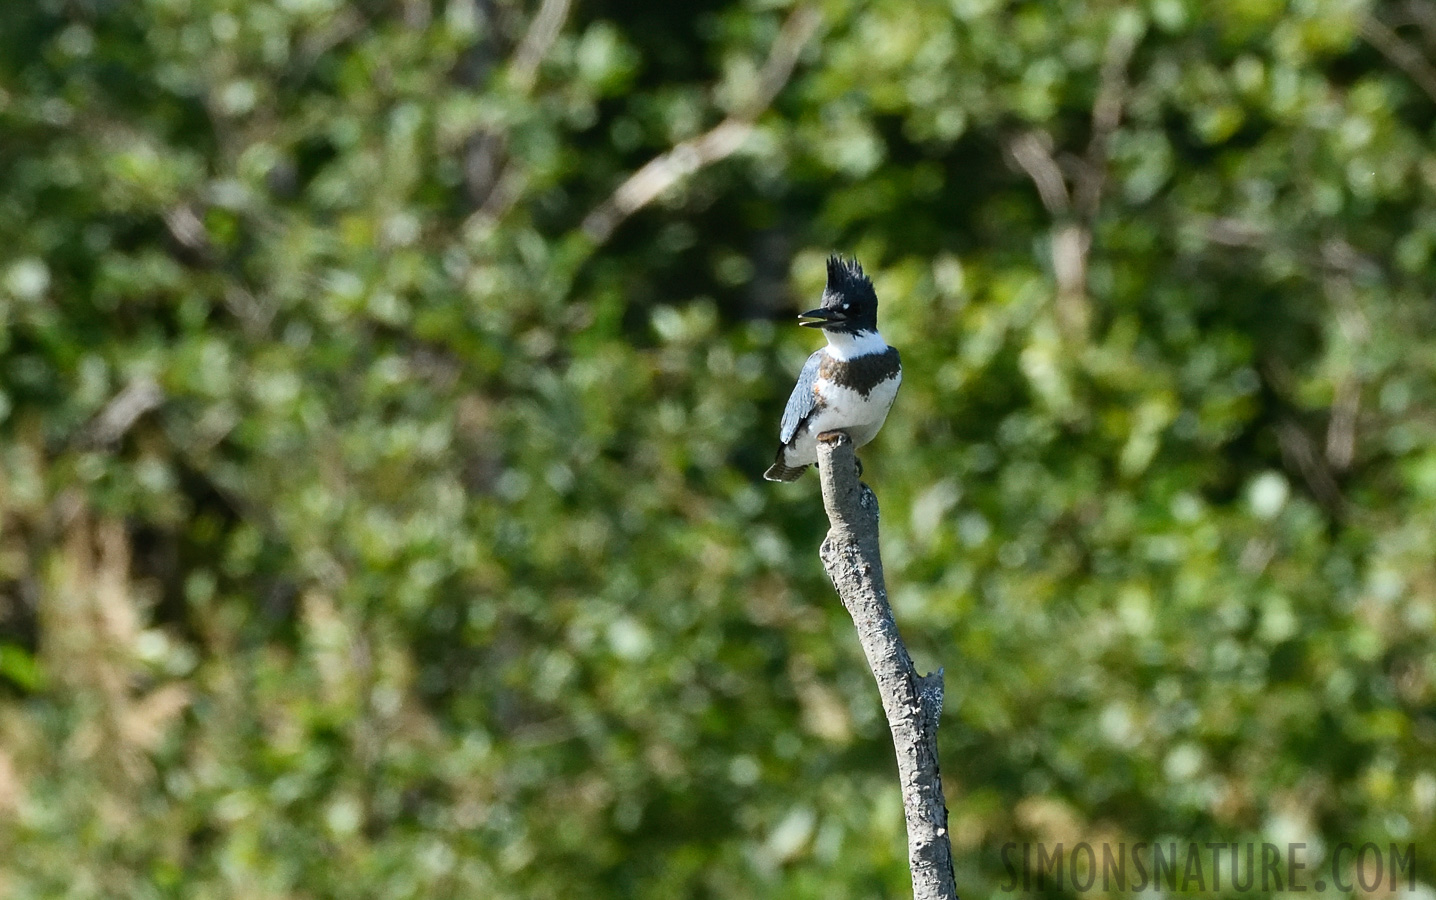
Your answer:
<point x="375" y="521"/>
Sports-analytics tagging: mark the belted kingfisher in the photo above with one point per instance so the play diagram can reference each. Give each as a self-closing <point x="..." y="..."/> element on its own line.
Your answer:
<point x="847" y="386"/>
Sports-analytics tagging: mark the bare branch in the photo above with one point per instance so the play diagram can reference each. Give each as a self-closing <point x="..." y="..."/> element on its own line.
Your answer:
<point x="911" y="702"/>
<point x="723" y="140"/>
<point x="1401" y="54"/>
<point x="1070" y="244"/>
<point x="1074" y="208"/>
<point x="124" y="409"/>
<point x="1069" y="241"/>
<point x="1341" y="429"/>
<point x="1032" y="151"/>
<point x="501" y="198"/>
<point x="1300" y="452"/>
<point x="1422" y="14"/>
<point x="662" y="172"/>
<point x="537" y="42"/>
<point x="1106" y="116"/>
<point x="185" y="227"/>
<point x="797" y="30"/>
<point x="490" y="176"/>
<point x="1355" y="329"/>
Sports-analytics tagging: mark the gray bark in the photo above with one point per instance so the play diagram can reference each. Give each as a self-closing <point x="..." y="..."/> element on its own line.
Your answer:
<point x="911" y="702"/>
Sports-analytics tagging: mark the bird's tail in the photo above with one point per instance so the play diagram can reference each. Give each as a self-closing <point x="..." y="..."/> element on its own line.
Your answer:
<point x="779" y="471"/>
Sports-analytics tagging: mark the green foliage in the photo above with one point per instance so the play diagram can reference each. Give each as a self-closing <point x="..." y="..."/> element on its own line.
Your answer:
<point x="369" y="530"/>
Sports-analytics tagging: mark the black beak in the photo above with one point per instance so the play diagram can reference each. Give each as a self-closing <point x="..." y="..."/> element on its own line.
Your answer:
<point x="821" y="317"/>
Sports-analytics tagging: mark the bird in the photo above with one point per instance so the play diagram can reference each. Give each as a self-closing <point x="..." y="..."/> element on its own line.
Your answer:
<point x="848" y="385"/>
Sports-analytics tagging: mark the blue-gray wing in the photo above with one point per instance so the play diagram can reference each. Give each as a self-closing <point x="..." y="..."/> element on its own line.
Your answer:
<point x="801" y="403"/>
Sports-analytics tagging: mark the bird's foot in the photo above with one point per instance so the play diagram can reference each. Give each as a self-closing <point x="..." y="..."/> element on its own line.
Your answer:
<point x="828" y="437"/>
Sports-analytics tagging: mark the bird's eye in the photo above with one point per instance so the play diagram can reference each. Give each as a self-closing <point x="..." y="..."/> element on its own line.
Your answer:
<point x="846" y="305"/>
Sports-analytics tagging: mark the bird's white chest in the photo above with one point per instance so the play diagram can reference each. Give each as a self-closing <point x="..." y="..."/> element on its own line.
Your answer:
<point x="844" y="409"/>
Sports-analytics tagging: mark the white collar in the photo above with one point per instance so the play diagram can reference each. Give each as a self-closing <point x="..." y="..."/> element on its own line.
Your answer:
<point x="843" y="346"/>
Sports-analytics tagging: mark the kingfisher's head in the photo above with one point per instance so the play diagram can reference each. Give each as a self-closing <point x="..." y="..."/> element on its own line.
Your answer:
<point x="849" y="303"/>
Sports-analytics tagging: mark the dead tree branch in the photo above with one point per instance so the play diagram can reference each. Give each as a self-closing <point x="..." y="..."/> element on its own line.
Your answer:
<point x="539" y="38"/>
<point x="140" y="396"/>
<point x="912" y="703"/>
<point x="723" y="140"/>
<point x="1074" y="210"/>
<point x="1404" y="56"/>
<point x="1112" y="90"/>
<point x="500" y="181"/>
